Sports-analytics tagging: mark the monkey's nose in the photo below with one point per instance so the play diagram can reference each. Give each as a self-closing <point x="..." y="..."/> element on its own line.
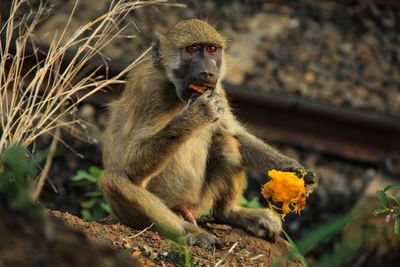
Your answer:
<point x="206" y="75"/>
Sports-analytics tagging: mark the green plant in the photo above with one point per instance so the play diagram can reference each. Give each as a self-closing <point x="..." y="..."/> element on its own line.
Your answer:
<point x="181" y="256"/>
<point x="253" y="203"/>
<point x="296" y="250"/>
<point x="323" y="233"/>
<point x="179" y="252"/>
<point x="94" y="207"/>
<point x="17" y="173"/>
<point x="390" y="205"/>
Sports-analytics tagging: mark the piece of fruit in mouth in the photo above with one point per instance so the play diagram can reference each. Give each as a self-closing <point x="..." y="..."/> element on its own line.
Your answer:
<point x="198" y="88"/>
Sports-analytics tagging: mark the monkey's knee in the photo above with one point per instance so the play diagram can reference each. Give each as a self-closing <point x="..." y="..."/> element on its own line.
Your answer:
<point x="229" y="190"/>
<point x="120" y="192"/>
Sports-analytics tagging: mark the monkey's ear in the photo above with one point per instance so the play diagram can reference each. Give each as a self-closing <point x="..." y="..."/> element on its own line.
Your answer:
<point x="155" y="49"/>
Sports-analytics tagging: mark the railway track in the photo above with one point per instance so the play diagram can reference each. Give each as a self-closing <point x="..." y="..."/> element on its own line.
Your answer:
<point x="352" y="134"/>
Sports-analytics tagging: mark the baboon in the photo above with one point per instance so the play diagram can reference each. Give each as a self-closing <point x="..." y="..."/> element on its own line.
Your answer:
<point x="172" y="147"/>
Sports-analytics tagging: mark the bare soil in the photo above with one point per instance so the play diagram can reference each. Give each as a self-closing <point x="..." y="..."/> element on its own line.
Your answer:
<point x="152" y="250"/>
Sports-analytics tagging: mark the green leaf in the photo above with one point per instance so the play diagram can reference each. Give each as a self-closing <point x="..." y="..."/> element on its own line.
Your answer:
<point x="322" y="233"/>
<point x="83" y="176"/>
<point x="105" y="207"/>
<point x="379" y="211"/>
<point x="15" y="160"/>
<point x="381" y="195"/>
<point x="342" y="251"/>
<point x="244" y="202"/>
<point x="15" y="178"/>
<point x="98" y="213"/>
<point x="80" y="176"/>
<point x="396" y="209"/>
<point x="95" y="172"/>
<point x="397" y="225"/>
<point x="93" y="194"/>
<point x="296" y="249"/>
<point x="89" y="203"/>
<point x="392" y="186"/>
<point x="39" y="157"/>
<point x="393" y="199"/>
<point x="254" y="203"/>
<point x="86" y="215"/>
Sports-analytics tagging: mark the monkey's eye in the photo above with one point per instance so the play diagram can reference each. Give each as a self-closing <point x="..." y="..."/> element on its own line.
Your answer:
<point x="211" y="48"/>
<point x="192" y="49"/>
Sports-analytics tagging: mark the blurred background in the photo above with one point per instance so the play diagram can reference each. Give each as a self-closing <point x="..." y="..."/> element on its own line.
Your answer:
<point x="318" y="79"/>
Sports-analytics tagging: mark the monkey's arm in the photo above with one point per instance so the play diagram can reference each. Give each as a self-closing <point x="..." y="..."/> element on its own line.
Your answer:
<point x="257" y="154"/>
<point x="147" y="155"/>
<point x="254" y="152"/>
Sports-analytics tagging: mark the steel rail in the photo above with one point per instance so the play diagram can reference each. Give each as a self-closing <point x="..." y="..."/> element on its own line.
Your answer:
<point x="357" y="135"/>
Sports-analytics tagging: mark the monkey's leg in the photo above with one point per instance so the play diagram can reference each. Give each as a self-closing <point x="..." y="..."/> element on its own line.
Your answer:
<point x="259" y="222"/>
<point x="136" y="207"/>
<point x="227" y="180"/>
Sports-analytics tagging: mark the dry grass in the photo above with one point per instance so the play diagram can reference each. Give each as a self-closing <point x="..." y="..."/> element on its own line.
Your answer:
<point x="42" y="99"/>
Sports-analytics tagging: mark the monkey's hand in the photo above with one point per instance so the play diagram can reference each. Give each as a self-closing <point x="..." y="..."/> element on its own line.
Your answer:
<point x="208" y="107"/>
<point x="310" y="178"/>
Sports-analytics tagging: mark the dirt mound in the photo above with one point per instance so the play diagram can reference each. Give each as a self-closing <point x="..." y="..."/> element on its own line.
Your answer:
<point x="152" y="250"/>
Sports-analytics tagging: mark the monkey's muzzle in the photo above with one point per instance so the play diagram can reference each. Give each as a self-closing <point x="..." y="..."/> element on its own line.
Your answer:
<point x="200" y="88"/>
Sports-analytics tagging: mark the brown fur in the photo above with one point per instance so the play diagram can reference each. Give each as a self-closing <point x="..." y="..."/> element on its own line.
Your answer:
<point x="161" y="153"/>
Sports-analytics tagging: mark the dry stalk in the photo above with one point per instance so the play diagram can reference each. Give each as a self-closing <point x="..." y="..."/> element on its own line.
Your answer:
<point x="46" y="168"/>
<point x="143" y="231"/>
<point x="224" y="258"/>
<point x="37" y="101"/>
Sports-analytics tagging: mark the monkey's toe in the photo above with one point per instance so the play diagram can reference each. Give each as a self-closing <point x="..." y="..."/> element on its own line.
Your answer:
<point x="266" y="228"/>
<point x="204" y="240"/>
<point x="262" y="223"/>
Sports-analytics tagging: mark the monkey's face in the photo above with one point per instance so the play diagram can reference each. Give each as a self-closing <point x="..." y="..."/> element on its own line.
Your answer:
<point x="200" y="66"/>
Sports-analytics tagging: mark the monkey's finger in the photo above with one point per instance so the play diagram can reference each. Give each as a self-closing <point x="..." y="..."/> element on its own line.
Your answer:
<point x="204" y="240"/>
<point x="193" y="97"/>
<point x="310" y="178"/>
<point x="267" y="231"/>
<point x="271" y="236"/>
<point x="208" y="93"/>
<point x="218" y="243"/>
<point x="300" y="172"/>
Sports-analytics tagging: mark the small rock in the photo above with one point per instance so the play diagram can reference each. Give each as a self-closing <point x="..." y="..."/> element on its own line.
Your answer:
<point x="87" y="112"/>
<point x="309" y="77"/>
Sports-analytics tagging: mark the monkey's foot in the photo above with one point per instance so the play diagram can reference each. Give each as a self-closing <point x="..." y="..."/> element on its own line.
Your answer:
<point x="203" y="239"/>
<point x="258" y="222"/>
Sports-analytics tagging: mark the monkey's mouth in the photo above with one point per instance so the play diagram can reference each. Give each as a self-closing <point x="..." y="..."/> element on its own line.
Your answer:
<point x="200" y="88"/>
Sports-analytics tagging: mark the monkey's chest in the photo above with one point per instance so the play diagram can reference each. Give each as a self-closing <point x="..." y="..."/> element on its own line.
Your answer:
<point x="181" y="180"/>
